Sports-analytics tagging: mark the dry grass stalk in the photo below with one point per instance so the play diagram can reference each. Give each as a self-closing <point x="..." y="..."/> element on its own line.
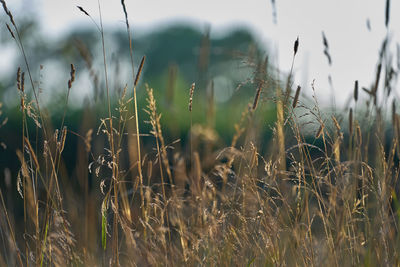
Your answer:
<point x="11" y="32"/>
<point x="351" y="122"/>
<point x="139" y="72"/>
<point x="289" y="78"/>
<point x="359" y="136"/>
<point x="125" y="13"/>
<point x="296" y="97"/>
<point x="29" y="195"/>
<point x="320" y="130"/>
<point x="337" y="125"/>
<point x="32" y="153"/>
<point x="139" y="156"/>
<point x="369" y="92"/>
<point x="257" y="97"/>
<point x="280" y="131"/>
<point x="157" y="133"/>
<point x="11" y="230"/>
<point x="336" y="149"/>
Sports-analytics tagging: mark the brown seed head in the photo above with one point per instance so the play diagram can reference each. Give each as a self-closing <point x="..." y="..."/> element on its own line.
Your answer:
<point x="19" y="78"/>
<point x="296" y="96"/>
<point x="72" y="73"/>
<point x="191" y="96"/>
<point x="356" y="90"/>
<point x="257" y="97"/>
<point x="63" y="137"/>
<point x="359" y="135"/>
<point x="296" y="45"/>
<point x="8" y="12"/>
<point x="387" y="13"/>
<point x="83" y="11"/>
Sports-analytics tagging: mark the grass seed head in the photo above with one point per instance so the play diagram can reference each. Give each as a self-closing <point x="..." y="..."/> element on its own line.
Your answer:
<point x="359" y="135"/>
<point x="31" y="152"/>
<point x="83" y="11"/>
<point x="8" y="12"/>
<point x="326" y="48"/>
<point x="191" y="96"/>
<point x="296" y="96"/>
<point x="356" y="90"/>
<point x="296" y="45"/>
<point x="63" y="137"/>
<point x="257" y="97"/>
<point x="337" y="125"/>
<point x="22" y="82"/>
<point x="72" y="73"/>
<point x="387" y="13"/>
<point x="19" y="79"/>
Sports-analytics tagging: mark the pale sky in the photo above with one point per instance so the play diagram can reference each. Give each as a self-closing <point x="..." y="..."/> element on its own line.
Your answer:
<point x="354" y="49"/>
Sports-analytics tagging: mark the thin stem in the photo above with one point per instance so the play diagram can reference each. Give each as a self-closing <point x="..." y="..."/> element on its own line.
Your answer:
<point x="111" y="140"/>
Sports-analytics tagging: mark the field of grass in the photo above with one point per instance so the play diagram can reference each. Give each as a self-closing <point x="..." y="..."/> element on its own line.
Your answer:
<point x="312" y="188"/>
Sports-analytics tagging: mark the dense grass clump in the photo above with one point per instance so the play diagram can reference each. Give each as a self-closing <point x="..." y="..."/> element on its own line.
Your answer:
<point x="322" y="190"/>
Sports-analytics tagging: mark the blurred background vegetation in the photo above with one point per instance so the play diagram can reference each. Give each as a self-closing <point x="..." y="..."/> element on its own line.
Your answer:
<point x="225" y="68"/>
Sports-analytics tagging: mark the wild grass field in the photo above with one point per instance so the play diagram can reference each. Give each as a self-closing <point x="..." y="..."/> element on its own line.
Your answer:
<point x="288" y="182"/>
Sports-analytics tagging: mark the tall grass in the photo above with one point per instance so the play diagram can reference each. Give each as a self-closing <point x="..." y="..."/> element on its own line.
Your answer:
<point x="319" y="192"/>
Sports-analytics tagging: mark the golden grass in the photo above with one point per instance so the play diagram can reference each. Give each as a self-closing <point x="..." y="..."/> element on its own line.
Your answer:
<point x="302" y="200"/>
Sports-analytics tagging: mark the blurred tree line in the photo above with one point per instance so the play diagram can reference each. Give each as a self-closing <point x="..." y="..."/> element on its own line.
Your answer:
<point x="225" y="68"/>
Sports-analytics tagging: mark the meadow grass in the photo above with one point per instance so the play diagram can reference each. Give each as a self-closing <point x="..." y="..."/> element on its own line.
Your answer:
<point x="319" y="192"/>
